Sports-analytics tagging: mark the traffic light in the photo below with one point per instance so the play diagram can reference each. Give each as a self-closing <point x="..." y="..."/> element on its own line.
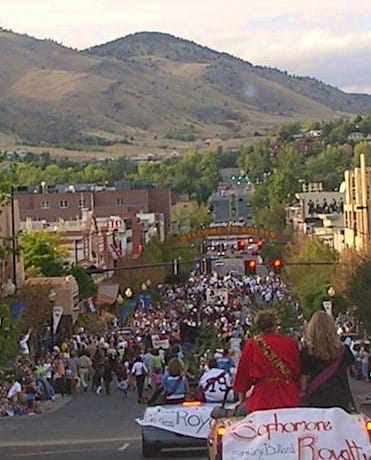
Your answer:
<point x="250" y="267"/>
<point x="206" y="266"/>
<point x="277" y="265"/>
<point x="241" y="245"/>
<point x="260" y="244"/>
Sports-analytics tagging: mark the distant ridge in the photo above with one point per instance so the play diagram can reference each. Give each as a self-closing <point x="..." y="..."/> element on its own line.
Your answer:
<point x="154" y="84"/>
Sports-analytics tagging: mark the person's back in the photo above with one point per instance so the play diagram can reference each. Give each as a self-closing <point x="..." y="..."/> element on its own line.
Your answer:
<point x="148" y="359"/>
<point x="325" y="363"/>
<point x="269" y="365"/>
<point x="214" y="383"/>
<point x="175" y="387"/>
<point x="226" y="362"/>
<point x="157" y="362"/>
<point x="175" y="383"/>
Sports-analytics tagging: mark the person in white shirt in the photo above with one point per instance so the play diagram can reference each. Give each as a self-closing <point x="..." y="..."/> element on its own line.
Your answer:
<point x="23" y="342"/>
<point x="14" y="390"/>
<point x="215" y="382"/>
<point x="139" y="371"/>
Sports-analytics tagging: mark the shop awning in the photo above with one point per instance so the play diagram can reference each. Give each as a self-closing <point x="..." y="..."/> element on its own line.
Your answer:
<point x="107" y="294"/>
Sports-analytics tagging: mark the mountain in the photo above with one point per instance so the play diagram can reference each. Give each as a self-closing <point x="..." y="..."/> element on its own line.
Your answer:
<point x="150" y="84"/>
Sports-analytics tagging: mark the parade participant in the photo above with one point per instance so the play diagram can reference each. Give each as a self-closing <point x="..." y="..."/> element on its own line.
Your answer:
<point x="269" y="363"/>
<point x="214" y="384"/>
<point x="175" y="382"/>
<point x="325" y="365"/>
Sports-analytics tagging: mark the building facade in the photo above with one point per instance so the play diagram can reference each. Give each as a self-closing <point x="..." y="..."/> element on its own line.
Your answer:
<point x="51" y="204"/>
<point x="357" y="206"/>
<point x="11" y="262"/>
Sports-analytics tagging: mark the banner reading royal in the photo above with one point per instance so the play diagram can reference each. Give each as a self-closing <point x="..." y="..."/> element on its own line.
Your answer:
<point x="188" y="421"/>
<point x="298" y="434"/>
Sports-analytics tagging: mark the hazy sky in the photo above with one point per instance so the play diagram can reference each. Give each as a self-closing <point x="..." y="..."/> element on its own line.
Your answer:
<point x="327" y="39"/>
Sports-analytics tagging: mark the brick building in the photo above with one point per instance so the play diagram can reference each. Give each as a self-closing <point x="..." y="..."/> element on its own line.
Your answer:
<point x="67" y="202"/>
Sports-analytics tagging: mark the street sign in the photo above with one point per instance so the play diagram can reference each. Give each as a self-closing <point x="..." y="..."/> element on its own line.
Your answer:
<point x="57" y="316"/>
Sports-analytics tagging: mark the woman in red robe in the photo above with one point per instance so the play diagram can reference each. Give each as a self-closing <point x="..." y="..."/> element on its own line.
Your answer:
<point x="270" y="364"/>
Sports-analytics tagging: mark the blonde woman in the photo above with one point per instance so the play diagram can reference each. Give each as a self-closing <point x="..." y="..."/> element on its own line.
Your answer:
<point x="325" y="364"/>
<point x="175" y="382"/>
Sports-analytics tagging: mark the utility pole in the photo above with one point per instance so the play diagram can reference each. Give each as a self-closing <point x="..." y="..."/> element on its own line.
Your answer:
<point x="14" y="246"/>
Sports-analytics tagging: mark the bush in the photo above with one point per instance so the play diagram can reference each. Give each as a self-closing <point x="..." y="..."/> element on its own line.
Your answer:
<point x="9" y="333"/>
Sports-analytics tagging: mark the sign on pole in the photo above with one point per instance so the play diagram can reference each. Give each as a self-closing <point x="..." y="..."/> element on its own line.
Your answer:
<point x="57" y="316"/>
<point x="327" y="306"/>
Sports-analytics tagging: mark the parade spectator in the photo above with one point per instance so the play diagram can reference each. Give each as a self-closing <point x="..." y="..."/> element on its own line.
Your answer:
<point x="148" y="360"/>
<point x="15" y="390"/>
<point x="364" y="362"/>
<point x="107" y="374"/>
<point x="59" y="374"/>
<point x="122" y="378"/>
<point x="85" y="368"/>
<point x="23" y="343"/>
<point x="139" y="372"/>
<point x="325" y="365"/>
<point x="72" y="372"/>
<point x="98" y="362"/>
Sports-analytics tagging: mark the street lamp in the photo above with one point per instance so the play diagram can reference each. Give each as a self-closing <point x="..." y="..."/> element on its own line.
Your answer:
<point x="331" y="291"/>
<point x="328" y="304"/>
<point x="128" y="293"/>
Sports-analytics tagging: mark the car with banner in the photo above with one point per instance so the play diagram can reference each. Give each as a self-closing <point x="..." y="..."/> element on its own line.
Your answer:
<point x="291" y="434"/>
<point x="178" y="426"/>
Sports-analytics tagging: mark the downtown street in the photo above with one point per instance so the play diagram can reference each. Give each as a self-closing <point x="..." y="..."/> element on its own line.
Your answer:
<point x="92" y="427"/>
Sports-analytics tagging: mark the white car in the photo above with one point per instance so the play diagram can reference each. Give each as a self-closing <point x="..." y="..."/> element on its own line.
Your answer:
<point x="178" y="426"/>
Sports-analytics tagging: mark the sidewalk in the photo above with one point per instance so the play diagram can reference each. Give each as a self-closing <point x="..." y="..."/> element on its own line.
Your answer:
<point x="46" y="407"/>
<point x="51" y="406"/>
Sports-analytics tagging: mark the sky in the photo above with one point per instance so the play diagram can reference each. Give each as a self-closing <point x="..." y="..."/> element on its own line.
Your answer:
<point x="326" y="39"/>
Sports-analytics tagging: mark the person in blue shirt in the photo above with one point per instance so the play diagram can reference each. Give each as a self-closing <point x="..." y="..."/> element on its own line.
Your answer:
<point x="175" y="382"/>
<point x="226" y="362"/>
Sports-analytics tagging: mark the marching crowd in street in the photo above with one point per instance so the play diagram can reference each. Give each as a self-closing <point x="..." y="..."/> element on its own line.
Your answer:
<point x="150" y="354"/>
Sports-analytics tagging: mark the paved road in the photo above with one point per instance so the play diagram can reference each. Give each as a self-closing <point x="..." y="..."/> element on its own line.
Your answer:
<point x="88" y="427"/>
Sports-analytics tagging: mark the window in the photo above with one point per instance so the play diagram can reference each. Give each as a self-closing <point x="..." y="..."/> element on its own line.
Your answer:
<point x="45" y="205"/>
<point x="128" y="224"/>
<point x="120" y="201"/>
<point x="82" y="203"/>
<point x="63" y="204"/>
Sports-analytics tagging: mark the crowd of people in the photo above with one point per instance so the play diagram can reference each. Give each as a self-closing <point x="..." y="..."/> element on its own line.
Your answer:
<point x="151" y="356"/>
<point x="325" y="208"/>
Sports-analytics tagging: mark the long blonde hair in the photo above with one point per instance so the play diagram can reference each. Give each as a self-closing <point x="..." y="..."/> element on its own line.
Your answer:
<point x="321" y="335"/>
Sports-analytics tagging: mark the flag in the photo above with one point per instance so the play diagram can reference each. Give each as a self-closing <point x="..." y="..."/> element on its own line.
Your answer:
<point x="17" y="310"/>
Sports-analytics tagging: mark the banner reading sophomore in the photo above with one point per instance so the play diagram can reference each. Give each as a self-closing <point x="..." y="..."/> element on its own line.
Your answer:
<point x="298" y="434"/>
